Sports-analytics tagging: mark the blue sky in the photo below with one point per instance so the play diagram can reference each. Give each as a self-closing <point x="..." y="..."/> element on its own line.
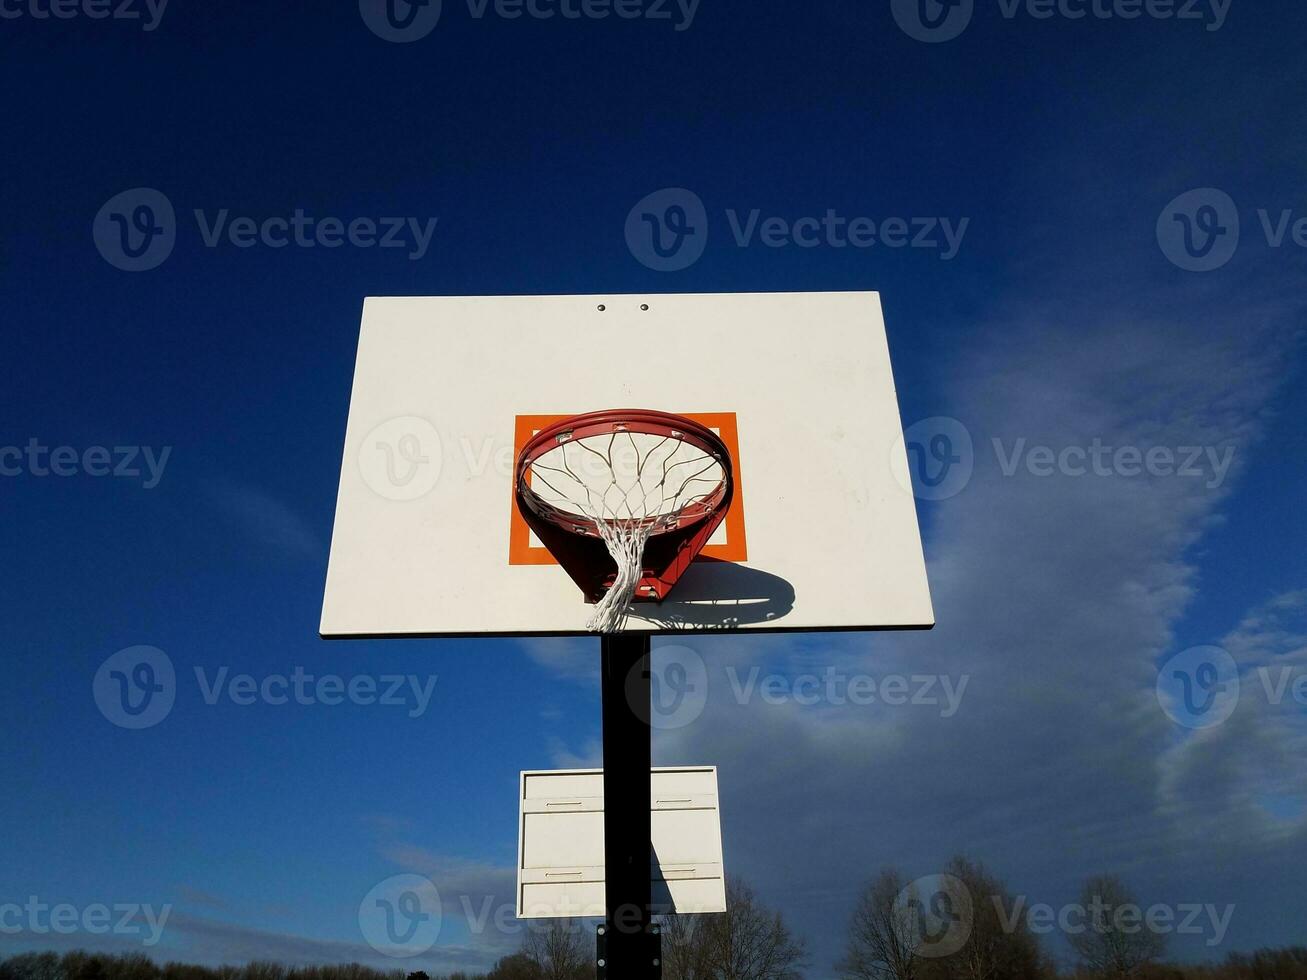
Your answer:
<point x="1062" y="318"/>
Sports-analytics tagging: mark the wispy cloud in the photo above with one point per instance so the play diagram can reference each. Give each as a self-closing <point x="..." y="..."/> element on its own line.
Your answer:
<point x="1057" y="597"/>
<point x="212" y="942"/>
<point x="266" y="521"/>
<point x="589" y="755"/>
<point x="572" y="659"/>
<point x="1246" y="777"/>
<point x="199" y="898"/>
<point x="477" y="898"/>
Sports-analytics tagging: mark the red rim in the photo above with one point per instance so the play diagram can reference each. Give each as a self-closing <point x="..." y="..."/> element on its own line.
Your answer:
<point x="610" y="421"/>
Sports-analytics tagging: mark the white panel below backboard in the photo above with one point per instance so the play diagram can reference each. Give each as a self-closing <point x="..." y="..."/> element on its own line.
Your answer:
<point x="560" y="867"/>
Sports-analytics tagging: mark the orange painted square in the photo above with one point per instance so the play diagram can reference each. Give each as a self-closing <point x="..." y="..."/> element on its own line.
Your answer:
<point x="522" y="552"/>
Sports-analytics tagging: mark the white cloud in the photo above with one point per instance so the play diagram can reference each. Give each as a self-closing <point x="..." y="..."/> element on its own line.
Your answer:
<point x="269" y="523"/>
<point x="1246" y="776"/>
<point x="1057" y="596"/>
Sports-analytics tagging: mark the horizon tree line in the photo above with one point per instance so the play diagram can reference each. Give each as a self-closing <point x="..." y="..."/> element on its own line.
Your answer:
<point x="965" y="929"/>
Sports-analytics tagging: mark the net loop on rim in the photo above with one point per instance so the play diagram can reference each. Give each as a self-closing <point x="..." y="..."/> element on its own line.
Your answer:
<point x="643" y="483"/>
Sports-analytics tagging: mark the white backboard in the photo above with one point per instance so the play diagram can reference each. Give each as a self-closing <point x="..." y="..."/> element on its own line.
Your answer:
<point x="560" y="857"/>
<point x="822" y="533"/>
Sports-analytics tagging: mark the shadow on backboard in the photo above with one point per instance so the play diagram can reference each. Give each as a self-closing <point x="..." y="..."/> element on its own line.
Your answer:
<point x="662" y="902"/>
<point x="717" y="594"/>
<point x="698" y="889"/>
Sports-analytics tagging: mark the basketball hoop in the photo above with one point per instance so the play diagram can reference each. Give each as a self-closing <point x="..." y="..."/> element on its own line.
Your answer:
<point x="624" y="499"/>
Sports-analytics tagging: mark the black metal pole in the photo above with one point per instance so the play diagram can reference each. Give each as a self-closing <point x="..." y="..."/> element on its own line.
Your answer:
<point x="627" y="944"/>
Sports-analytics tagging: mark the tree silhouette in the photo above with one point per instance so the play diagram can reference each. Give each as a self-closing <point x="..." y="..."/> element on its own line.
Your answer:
<point x="746" y="942"/>
<point x="1116" y="942"/>
<point x="883" y="941"/>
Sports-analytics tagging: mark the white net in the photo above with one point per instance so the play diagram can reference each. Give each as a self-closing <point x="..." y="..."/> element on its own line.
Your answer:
<point x="631" y="485"/>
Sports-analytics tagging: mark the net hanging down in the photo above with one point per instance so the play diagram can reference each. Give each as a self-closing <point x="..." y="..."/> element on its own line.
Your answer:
<point x="640" y="483"/>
